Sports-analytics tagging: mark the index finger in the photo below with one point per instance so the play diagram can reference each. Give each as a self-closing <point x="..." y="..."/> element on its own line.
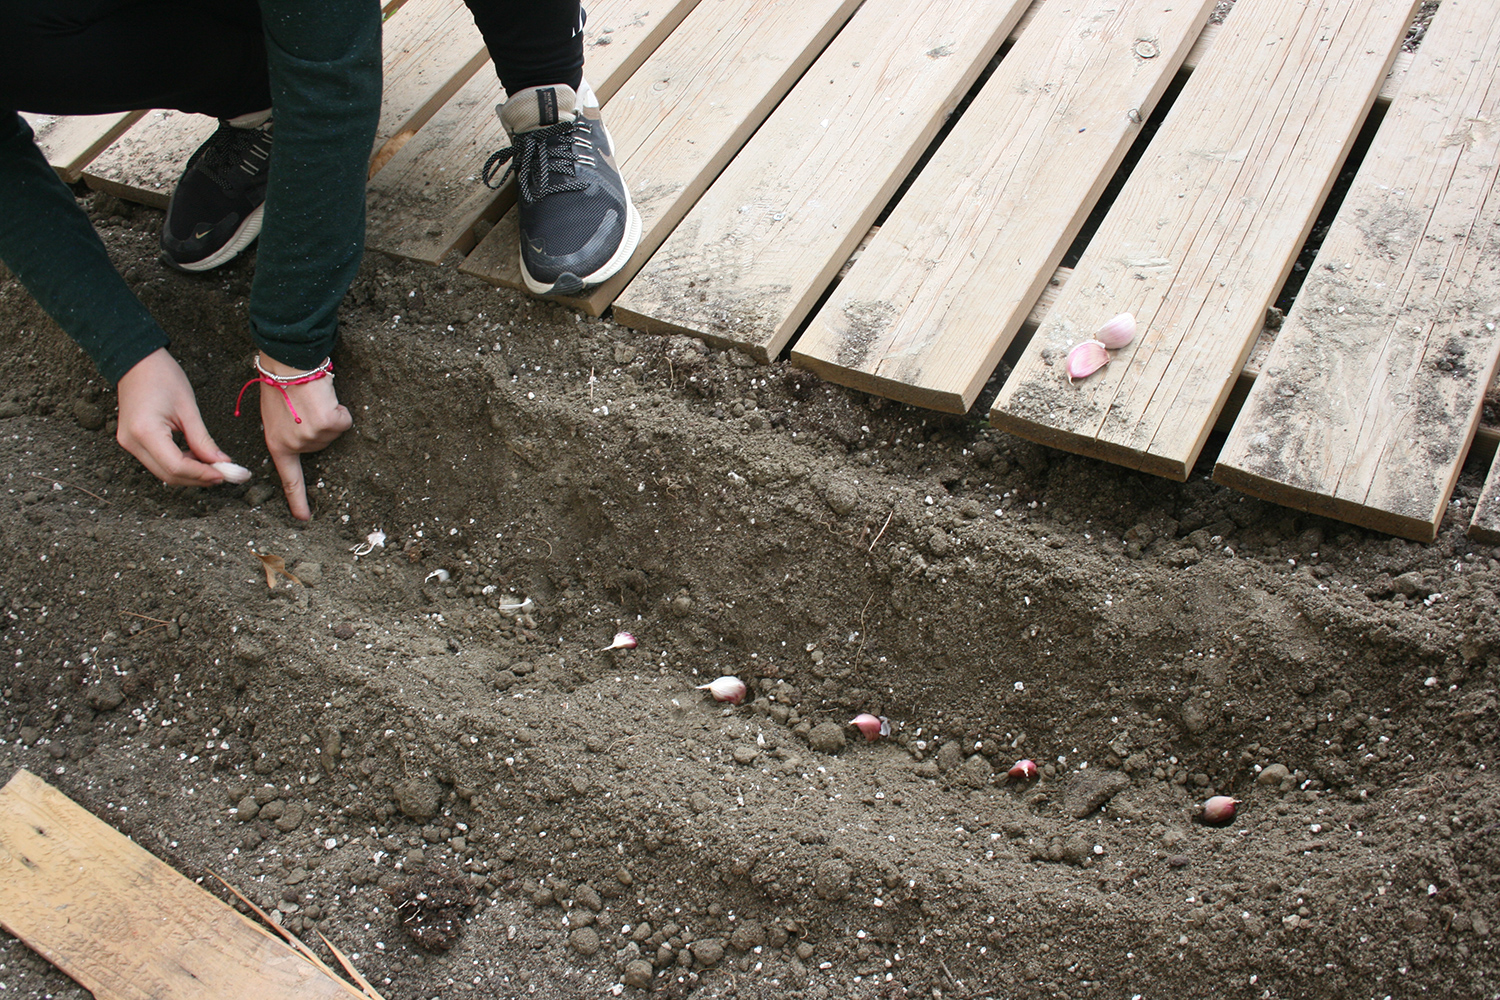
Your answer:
<point x="289" y="467"/>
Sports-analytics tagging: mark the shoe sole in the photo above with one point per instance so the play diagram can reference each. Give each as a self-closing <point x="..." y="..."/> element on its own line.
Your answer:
<point x="242" y="238"/>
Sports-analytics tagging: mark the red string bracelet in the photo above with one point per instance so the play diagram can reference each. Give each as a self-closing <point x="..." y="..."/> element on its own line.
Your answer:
<point x="280" y="382"/>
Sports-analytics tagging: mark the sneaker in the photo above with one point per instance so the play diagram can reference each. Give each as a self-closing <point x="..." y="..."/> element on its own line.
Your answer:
<point x="216" y="208"/>
<point x="578" y="226"/>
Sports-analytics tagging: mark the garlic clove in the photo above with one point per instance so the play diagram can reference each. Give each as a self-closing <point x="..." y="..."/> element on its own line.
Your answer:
<point x="232" y="473"/>
<point x="1086" y="358"/>
<point x="1117" y="332"/>
<point x="1219" y="810"/>
<point x="872" y="726"/>
<point x="623" y="640"/>
<point x="730" y="689"/>
<point x="440" y="575"/>
<point x="1023" y="770"/>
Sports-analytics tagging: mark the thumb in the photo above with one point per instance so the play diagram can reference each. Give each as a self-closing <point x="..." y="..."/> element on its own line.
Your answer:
<point x="289" y="468"/>
<point x="199" y="441"/>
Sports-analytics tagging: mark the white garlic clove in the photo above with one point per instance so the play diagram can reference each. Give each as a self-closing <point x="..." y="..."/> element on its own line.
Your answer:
<point x="623" y="640"/>
<point x="1117" y="332"/>
<point x="1219" y="810"/>
<point x="440" y="575"/>
<point x="233" y="473"/>
<point x="1086" y="358"/>
<point x="730" y="689"/>
<point x="872" y="726"/>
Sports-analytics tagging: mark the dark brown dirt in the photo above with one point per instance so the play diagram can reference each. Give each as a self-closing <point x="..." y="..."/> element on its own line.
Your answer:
<point x="1148" y="643"/>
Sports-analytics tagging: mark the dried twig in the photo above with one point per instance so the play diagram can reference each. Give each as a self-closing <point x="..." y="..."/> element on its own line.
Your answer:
<point x="528" y="538"/>
<point x="887" y="524"/>
<point x="53" y="479"/>
<point x="160" y="622"/>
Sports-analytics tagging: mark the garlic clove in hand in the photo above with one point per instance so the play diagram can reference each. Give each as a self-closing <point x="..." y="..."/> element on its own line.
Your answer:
<point x="1086" y="358"/>
<point x="872" y="726"/>
<point x="623" y="640"/>
<point x="232" y="473"/>
<point x="1117" y="332"/>
<point x="730" y="689"/>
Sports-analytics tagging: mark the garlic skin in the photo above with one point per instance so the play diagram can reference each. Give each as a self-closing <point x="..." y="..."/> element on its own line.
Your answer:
<point x="1118" y="332"/>
<point x="872" y="726"/>
<point x="440" y="575"/>
<point x="1086" y="358"/>
<point x="1022" y="770"/>
<point x="232" y="473"/>
<point x="730" y="689"/>
<point x="623" y="640"/>
<point x="1219" y="810"/>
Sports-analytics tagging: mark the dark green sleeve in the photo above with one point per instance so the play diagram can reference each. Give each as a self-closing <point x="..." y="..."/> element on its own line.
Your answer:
<point x="325" y="64"/>
<point x="47" y="242"/>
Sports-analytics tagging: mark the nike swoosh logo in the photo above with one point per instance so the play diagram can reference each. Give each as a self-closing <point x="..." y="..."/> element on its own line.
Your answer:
<point x="198" y="234"/>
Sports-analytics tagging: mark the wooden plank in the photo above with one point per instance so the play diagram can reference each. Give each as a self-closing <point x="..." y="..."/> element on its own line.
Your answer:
<point x="425" y="201"/>
<point x="144" y="164"/>
<point x="935" y="300"/>
<point x="430" y="50"/>
<point x="1205" y="232"/>
<point x="1369" y="399"/>
<point x="751" y="259"/>
<point x="1485" y="524"/>
<point x="125" y="925"/>
<point x="71" y="143"/>
<point x="684" y="114"/>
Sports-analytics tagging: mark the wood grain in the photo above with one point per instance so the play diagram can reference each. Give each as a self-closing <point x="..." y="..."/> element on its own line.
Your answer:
<point x="1372" y="393"/>
<point x="126" y="926"/>
<point x="1205" y="232"/>
<point x="935" y="300"/>
<point x="749" y="261"/>
<point x="425" y="201"/>
<point x="684" y="115"/>
<point x="71" y="143"/>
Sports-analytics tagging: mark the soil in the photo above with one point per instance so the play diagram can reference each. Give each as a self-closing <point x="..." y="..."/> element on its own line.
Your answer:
<point x="424" y="749"/>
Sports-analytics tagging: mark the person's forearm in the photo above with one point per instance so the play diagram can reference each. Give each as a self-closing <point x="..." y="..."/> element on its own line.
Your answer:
<point x="47" y="242"/>
<point x="325" y="89"/>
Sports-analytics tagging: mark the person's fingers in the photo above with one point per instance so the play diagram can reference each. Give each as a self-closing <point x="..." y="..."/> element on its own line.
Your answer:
<point x="163" y="459"/>
<point x="200" y="443"/>
<point x="289" y="468"/>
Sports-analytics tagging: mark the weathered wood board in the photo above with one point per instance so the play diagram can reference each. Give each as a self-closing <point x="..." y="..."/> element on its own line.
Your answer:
<point x="1485" y="524"/>
<point x="125" y="925"/>
<point x="1205" y="232"/>
<point x="425" y="201"/>
<point x="934" y="301"/>
<point x="684" y="115"/>
<point x="72" y="142"/>
<point x="1372" y="393"/>
<point x="143" y="165"/>
<point x="749" y="261"/>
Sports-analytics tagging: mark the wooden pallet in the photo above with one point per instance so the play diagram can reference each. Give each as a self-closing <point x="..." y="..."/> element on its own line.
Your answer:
<point x="761" y="139"/>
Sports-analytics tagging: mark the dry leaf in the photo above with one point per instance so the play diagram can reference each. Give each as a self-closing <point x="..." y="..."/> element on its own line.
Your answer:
<point x="275" y="566"/>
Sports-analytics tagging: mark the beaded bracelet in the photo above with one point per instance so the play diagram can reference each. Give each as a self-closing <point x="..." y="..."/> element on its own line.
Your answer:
<point x="280" y="383"/>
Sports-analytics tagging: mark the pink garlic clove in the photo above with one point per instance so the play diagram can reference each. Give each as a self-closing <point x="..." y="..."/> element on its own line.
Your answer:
<point x="623" y="640"/>
<point x="1219" y="810"/>
<point x="1086" y="358"/>
<point x="872" y="726"/>
<point x="1117" y="332"/>
<point x="1023" y="770"/>
<point x="730" y="689"/>
<point x="233" y="473"/>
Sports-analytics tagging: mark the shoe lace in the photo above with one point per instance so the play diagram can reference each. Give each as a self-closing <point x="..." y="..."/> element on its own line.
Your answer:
<point x="544" y="160"/>
<point x="237" y="158"/>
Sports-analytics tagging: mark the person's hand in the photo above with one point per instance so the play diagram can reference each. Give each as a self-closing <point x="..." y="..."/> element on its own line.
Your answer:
<point x="157" y="402"/>
<point x="323" y="420"/>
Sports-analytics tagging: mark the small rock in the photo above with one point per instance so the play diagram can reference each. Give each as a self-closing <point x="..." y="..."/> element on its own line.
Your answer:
<point x="831" y="880"/>
<point x="826" y="737"/>
<point x="259" y="493"/>
<point x="750" y="934"/>
<point x="105" y="695"/>
<point x="247" y="809"/>
<point x="90" y="416"/>
<point x="290" y="818"/>
<point x="417" y="799"/>
<point x="708" y="951"/>
<point x="1088" y="790"/>
<point x="638" y="974"/>
<point x="586" y="896"/>
<point x="841" y="494"/>
<point x="1273" y="775"/>
<point x="745" y="754"/>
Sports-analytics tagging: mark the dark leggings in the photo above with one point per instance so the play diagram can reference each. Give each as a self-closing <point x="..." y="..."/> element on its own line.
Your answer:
<point x="81" y="57"/>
